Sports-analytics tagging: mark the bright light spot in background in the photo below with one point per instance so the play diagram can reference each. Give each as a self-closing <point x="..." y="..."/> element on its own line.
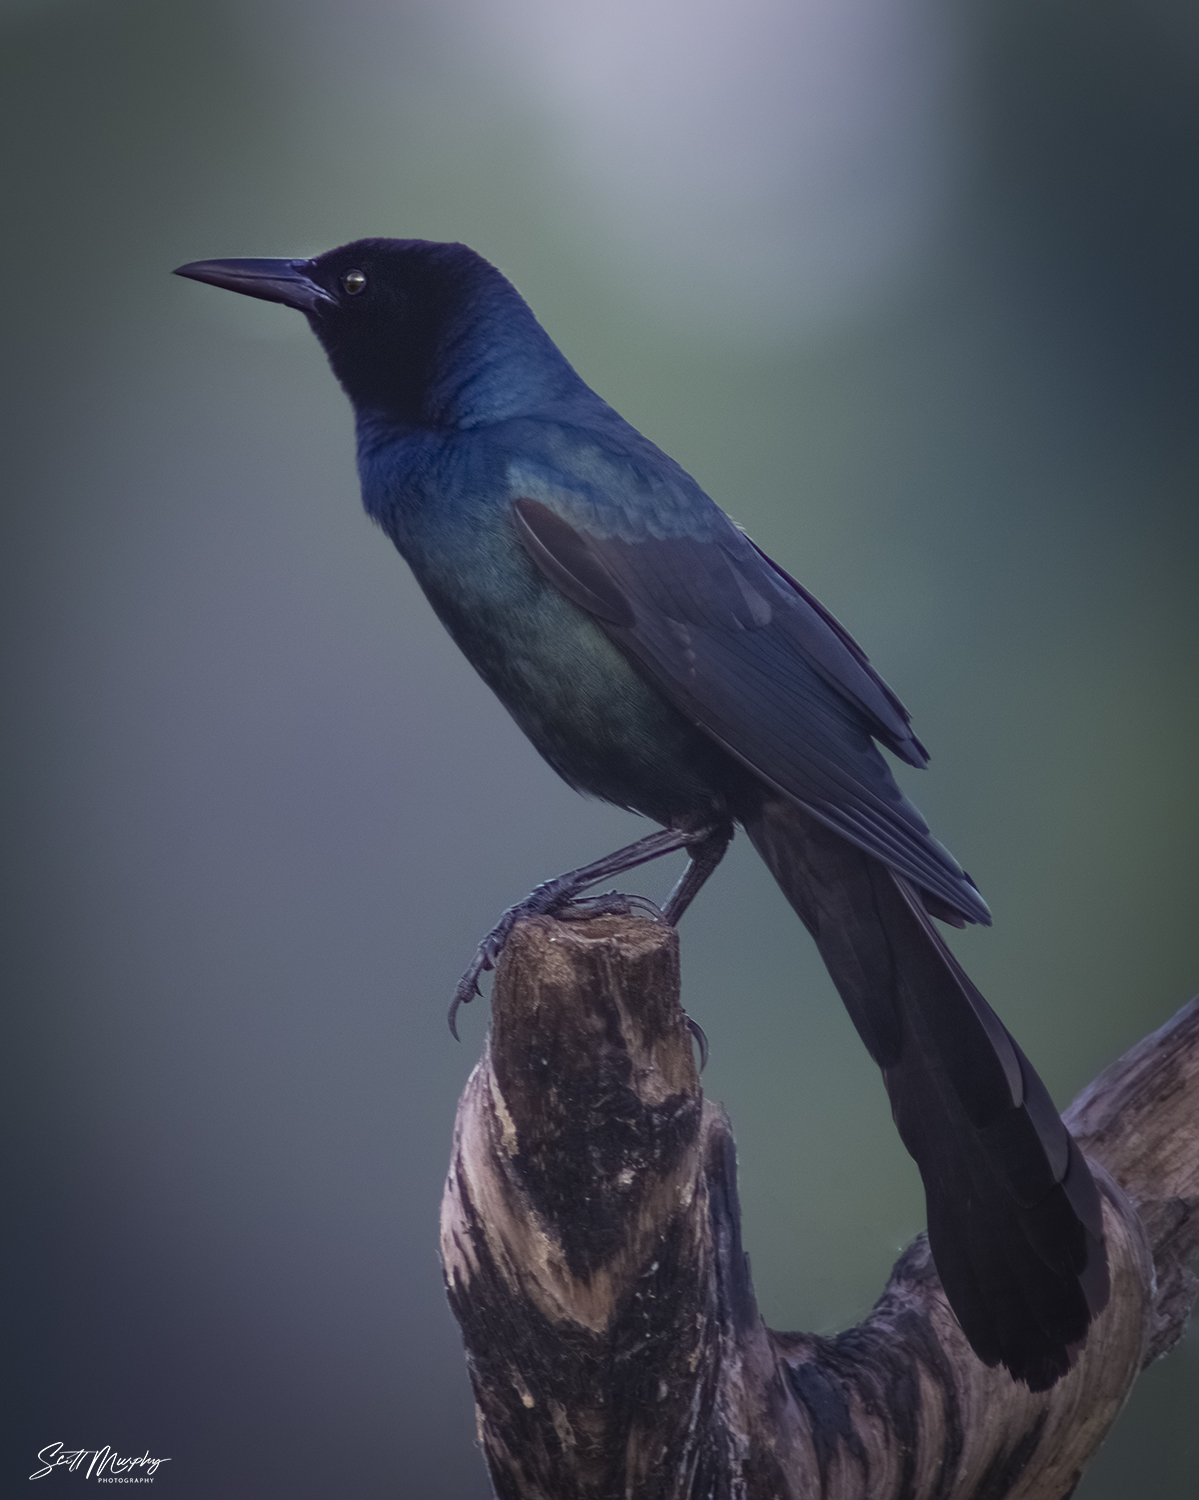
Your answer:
<point x="755" y="167"/>
<point x="775" y="162"/>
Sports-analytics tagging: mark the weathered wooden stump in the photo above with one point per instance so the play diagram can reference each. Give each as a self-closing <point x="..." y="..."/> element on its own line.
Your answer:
<point x="591" y="1241"/>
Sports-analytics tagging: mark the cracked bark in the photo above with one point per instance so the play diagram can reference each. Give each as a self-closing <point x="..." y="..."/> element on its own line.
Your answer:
<point x="592" y="1253"/>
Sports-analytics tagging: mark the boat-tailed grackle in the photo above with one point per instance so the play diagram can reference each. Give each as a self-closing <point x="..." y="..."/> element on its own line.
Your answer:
<point x="659" y="660"/>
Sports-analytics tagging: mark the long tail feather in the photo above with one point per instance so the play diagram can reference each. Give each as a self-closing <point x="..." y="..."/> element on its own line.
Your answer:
<point x="1014" y="1217"/>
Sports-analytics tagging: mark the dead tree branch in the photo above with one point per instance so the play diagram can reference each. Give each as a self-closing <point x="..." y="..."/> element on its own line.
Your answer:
<point x="591" y="1240"/>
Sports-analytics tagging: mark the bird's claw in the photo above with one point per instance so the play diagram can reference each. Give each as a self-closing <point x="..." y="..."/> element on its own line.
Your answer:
<point x="467" y="989"/>
<point x="553" y="896"/>
<point x="550" y="899"/>
<point x="610" y="904"/>
<point x="543" y="901"/>
<point x="700" y="1037"/>
<point x="485" y="958"/>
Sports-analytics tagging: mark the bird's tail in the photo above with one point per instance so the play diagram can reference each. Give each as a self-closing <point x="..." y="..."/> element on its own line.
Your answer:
<point x="1014" y="1217"/>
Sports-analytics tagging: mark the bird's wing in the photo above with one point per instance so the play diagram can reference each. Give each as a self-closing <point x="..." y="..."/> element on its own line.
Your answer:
<point x="758" y="664"/>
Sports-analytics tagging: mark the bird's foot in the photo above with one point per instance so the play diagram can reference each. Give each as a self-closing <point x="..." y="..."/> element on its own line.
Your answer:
<point x="547" y="898"/>
<point x="563" y="891"/>
<point x="610" y="904"/>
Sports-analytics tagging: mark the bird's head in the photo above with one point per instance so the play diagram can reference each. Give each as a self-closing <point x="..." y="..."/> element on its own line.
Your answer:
<point x="424" y="333"/>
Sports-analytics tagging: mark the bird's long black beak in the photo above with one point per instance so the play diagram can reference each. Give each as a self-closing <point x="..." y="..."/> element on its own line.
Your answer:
<point x="286" y="281"/>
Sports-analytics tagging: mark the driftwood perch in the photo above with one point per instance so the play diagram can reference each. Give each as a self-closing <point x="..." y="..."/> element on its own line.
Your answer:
<point x="591" y="1240"/>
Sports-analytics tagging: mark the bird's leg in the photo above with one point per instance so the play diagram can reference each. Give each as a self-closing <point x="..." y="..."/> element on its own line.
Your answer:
<point x="706" y="852"/>
<point x="554" y="894"/>
<point x="611" y="904"/>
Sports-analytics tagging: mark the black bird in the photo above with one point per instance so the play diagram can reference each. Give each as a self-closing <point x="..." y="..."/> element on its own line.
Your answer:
<point x="658" y="659"/>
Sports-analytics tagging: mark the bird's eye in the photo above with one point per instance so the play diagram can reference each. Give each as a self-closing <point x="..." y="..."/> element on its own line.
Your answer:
<point x="354" y="282"/>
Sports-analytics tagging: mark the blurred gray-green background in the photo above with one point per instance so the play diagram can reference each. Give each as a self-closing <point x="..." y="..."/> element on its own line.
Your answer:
<point x="912" y="289"/>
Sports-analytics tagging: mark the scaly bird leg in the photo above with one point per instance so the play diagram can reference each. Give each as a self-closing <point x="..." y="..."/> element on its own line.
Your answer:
<point x="554" y="894"/>
<point x="706" y="852"/>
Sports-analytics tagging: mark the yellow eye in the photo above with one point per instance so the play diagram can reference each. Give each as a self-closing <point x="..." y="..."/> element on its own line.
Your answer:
<point x="354" y="282"/>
